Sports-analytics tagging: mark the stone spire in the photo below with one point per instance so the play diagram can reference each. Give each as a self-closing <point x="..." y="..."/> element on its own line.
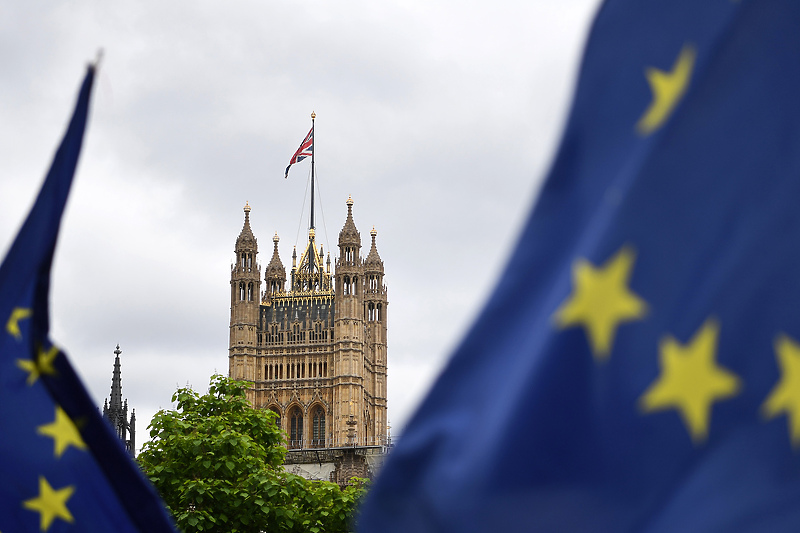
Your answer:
<point x="275" y="264"/>
<point x="116" y="411"/>
<point x="275" y="273"/>
<point x="373" y="258"/>
<point x="246" y="239"/>
<point x="349" y="235"/>
<point x="115" y="405"/>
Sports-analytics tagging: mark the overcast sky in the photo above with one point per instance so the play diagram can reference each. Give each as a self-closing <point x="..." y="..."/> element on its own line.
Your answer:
<point x="439" y="118"/>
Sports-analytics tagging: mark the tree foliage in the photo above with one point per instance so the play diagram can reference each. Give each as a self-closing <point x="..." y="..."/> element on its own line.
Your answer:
<point x="216" y="462"/>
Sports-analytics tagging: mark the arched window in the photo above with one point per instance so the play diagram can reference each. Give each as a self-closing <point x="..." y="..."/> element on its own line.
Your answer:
<point x="241" y="290"/>
<point x="296" y="428"/>
<point x="379" y="312"/>
<point x="249" y="262"/>
<point x="250" y="292"/>
<point x="278" y="419"/>
<point x="318" y="433"/>
<point x="347" y="285"/>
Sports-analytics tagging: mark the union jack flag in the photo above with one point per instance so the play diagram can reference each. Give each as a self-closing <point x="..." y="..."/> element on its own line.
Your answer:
<point x="306" y="149"/>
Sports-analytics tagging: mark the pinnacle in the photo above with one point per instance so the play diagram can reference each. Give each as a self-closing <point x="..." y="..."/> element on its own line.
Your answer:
<point x="246" y="238"/>
<point x="275" y="263"/>
<point x="349" y="233"/>
<point x="373" y="256"/>
<point x="116" y="382"/>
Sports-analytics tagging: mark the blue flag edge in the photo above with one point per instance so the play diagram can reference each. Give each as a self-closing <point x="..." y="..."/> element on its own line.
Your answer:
<point x="134" y="492"/>
<point x="427" y="446"/>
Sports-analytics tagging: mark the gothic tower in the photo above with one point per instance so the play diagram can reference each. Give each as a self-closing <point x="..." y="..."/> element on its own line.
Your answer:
<point x="315" y="351"/>
<point x="245" y="300"/>
<point x="116" y="411"/>
<point x="349" y="331"/>
<point x="375" y="303"/>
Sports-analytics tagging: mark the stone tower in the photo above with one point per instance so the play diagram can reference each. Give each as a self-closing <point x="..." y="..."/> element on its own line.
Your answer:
<point x="375" y="303"/>
<point x="315" y="351"/>
<point x="116" y="411"/>
<point x="245" y="300"/>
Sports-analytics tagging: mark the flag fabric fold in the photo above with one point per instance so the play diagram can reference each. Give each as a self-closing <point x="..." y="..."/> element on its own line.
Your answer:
<point x="637" y="367"/>
<point x="62" y="466"/>
<point x="306" y="149"/>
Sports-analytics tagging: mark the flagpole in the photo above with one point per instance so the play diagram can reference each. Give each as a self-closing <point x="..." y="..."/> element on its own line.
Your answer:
<point x="311" y="261"/>
<point x="313" y="116"/>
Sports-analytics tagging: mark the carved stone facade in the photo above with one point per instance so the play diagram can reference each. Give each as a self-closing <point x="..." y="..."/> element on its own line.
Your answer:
<point x="315" y="352"/>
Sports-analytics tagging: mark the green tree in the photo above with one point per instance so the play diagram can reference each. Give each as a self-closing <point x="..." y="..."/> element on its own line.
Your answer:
<point x="216" y="462"/>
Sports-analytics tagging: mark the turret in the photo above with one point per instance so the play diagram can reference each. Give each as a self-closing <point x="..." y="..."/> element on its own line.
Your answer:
<point x="245" y="301"/>
<point x="375" y="291"/>
<point x="349" y="331"/>
<point x="349" y="240"/>
<point x="375" y="304"/>
<point x="274" y="274"/>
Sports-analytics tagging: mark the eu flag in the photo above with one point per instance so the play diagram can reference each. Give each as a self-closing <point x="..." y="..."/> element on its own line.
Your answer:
<point x="61" y="466"/>
<point x="637" y="368"/>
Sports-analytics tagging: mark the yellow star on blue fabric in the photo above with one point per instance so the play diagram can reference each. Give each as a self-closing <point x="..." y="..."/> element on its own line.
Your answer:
<point x="691" y="381"/>
<point x="785" y="396"/>
<point x="601" y="300"/>
<point x="63" y="432"/>
<point x="42" y="364"/>
<point x="50" y="504"/>
<point x="17" y="314"/>
<point x="667" y="89"/>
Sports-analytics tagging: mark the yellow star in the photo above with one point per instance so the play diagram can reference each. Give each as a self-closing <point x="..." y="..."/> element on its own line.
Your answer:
<point x="43" y="364"/>
<point x="691" y="380"/>
<point x="12" y="326"/>
<point x="63" y="432"/>
<point x="50" y="504"/>
<point x="667" y="89"/>
<point x="785" y="396"/>
<point x="601" y="300"/>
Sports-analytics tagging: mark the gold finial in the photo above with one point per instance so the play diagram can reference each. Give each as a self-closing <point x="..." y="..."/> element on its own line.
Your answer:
<point x="349" y="200"/>
<point x="373" y="232"/>
<point x="247" y="207"/>
<point x="311" y="233"/>
<point x="313" y="115"/>
<point x="275" y="239"/>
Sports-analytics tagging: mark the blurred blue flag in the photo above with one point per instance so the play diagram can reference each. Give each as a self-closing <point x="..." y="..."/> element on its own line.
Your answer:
<point x="62" y="467"/>
<point x="637" y="367"/>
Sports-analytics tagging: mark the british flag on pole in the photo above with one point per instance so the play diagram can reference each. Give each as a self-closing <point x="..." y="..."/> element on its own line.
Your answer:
<point x="306" y="149"/>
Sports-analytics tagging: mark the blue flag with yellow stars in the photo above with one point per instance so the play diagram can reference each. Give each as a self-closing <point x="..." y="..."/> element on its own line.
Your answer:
<point x="637" y="368"/>
<point x="62" y="468"/>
